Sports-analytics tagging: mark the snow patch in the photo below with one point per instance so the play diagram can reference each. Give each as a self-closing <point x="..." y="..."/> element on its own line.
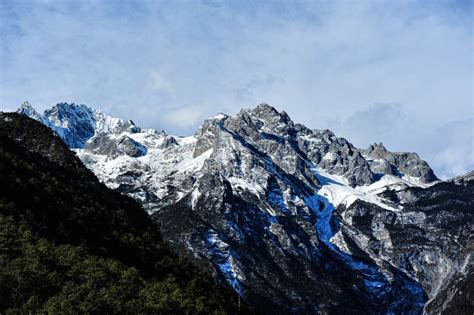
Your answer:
<point x="253" y="187"/>
<point x="226" y="261"/>
<point x="337" y="191"/>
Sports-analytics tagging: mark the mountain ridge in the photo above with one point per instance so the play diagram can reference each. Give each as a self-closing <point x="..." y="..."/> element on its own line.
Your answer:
<point x="256" y="189"/>
<point x="92" y="122"/>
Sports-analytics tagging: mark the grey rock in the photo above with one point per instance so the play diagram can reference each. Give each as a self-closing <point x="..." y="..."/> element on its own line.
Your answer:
<point x="129" y="126"/>
<point x="455" y="295"/>
<point x="244" y="197"/>
<point x="76" y="124"/>
<point x="104" y="144"/>
<point x="381" y="167"/>
<point x="405" y="163"/>
<point x="206" y="136"/>
<point x="337" y="156"/>
<point x="168" y="141"/>
<point x="428" y="239"/>
<point x="469" y="176"/>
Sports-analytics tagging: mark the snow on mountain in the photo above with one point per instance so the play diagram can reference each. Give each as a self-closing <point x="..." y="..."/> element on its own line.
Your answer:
<point x="269" y="203"/>
<point x="76" y="124"/>
<point x="28" y="110"/>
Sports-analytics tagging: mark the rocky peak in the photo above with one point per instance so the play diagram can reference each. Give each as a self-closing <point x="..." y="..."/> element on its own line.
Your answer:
<point x="263" y="110"/>
<point x="113" y="146"/>
<point x="64" y="114"/>
<point x="129" y="126"/>
<point x="77" y="123"/>
<point x="273" y="121"/>
<point x="65" y="109"/>
<point x="292" y="147"/>
<point x="27" y="110"/>
<point x="398" y="163"/>
<point x="207" y="135"/>
<point x="336" y="155"/>
<point x="253" y="125"/>
<point x="168" y="141"/>
<point x="325" y="135"/>
<point x="377" y="151"/>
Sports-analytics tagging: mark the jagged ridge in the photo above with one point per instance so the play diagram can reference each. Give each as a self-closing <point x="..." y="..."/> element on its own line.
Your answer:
<point x="254" y="195"/>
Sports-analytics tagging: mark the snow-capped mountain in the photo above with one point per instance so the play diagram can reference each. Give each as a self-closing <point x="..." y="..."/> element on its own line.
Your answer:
<point x="76" y="124"/>
<point x="294" y="219"/>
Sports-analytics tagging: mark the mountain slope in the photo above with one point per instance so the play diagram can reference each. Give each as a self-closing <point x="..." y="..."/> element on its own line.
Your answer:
<point x="294" y="219"/>
<point x="428" y="238"/>
<point x="69" y="244"/>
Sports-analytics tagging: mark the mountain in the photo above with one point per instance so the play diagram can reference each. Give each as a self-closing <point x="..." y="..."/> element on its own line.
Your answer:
<point x="296" y="220"/>
<point x="69" y="244"/>
<point x="76" y="124"/>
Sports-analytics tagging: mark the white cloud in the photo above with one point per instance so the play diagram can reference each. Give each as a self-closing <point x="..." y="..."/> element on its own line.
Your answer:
<point x="183" y="117"/>
<point x="454" y="153"/>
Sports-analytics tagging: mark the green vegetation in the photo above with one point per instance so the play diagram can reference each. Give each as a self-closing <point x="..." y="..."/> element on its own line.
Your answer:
<point x="68" y="244"/>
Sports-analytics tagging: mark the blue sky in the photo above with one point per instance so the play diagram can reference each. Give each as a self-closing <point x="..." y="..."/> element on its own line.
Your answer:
<point x="397" y="72"/>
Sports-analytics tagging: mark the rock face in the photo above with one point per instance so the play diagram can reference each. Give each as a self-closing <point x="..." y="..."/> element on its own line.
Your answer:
<point x="410" y="164"/>
<point x="75" y="124"/>
<point x="456" y="293"/>
<point x="428" y="239"/>
<point x="113" y="146"/>
<point x="296" y="220"/>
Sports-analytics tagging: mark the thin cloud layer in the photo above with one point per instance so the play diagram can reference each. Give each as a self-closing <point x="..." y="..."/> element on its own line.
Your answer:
<point x="169" y="65"/>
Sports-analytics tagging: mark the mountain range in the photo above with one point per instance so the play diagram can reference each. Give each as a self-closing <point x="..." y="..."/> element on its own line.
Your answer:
<point x="295" y="220"/>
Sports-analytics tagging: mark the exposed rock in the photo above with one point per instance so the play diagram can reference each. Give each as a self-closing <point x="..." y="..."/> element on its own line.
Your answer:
<point x="254" y="194"/>
<point x="427" y="239"/>
<point x="168" y="141"/>
<point x="381" y="167"/>
<point x="113" y="146"/>
<point x="456" y="292"/>
<point x="76" y="124"/>
<point x="406" y="163"/>
<point x="27" y="110"/>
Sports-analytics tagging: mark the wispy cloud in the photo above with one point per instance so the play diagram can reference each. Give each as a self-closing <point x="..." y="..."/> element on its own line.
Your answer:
<point x="320" y="61"/>
<point x="184" y="117"/>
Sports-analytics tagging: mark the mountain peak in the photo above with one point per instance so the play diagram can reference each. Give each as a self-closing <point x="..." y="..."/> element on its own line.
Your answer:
<point x="265" y="110"/>
<point x="265" y="107"/>
<point x="25" y="105"/>
<point x="28" y="110"/>
<point x="76" y="123"/>
<point x="406" y="163"/>
<point x="273" y="120"/>
<point x="377" y="147"/>
<point x="66" y="106"/>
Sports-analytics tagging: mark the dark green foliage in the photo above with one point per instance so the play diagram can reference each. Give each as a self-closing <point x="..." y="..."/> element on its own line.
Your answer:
<point x="68" y="244"/>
